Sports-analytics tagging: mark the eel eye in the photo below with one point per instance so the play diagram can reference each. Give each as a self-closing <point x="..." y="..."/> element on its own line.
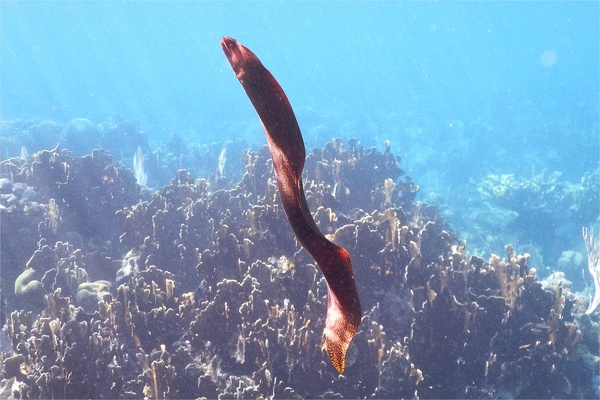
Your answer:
<point x="230" y="42"/>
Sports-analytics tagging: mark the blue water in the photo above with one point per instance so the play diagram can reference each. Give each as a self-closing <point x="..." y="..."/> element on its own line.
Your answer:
<point x="461" y="89"/>
<point x="361" y="68"/>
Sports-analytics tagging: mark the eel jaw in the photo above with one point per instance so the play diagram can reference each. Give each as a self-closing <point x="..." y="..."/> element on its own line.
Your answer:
<point x="238" y="55"/>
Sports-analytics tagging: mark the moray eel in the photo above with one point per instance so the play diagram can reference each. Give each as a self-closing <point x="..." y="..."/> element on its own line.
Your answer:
<point x="288" y="154"/>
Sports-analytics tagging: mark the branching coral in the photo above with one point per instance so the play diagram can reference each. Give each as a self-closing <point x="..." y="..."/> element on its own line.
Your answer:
<point x="217" y="300"/>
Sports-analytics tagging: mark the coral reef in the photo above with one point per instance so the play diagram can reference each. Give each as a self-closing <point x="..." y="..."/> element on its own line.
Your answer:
<point x="55" y="200"/>
<point x="116" y="135"/>
<point x="81" y="136"/>
<point x="543" y="202"/>
<point x="121" y="137"/>
<point x="202" y="291"/>
<point x="219" y="162"/>
<point x="541" y="215"/>
<point x="31" y="135"/>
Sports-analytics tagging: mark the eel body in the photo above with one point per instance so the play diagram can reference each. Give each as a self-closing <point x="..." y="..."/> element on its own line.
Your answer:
<point x="288" y="154"/>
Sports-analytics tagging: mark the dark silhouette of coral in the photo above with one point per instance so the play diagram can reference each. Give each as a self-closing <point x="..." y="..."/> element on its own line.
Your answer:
<point x="213" y="297"/>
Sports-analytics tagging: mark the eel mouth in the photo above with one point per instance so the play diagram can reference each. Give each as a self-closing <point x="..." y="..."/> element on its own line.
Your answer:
<point x="232" y="51"/>
<point x="239" y="56"/>
<point x="228" y="44"/>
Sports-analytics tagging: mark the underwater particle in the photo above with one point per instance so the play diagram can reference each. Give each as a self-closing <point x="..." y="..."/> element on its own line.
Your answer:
<point x="548" y="58"/>
<point x="455" y="123"/>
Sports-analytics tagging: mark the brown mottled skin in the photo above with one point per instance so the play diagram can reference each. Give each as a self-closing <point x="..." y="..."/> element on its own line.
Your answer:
<point x="288" y="153"/>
